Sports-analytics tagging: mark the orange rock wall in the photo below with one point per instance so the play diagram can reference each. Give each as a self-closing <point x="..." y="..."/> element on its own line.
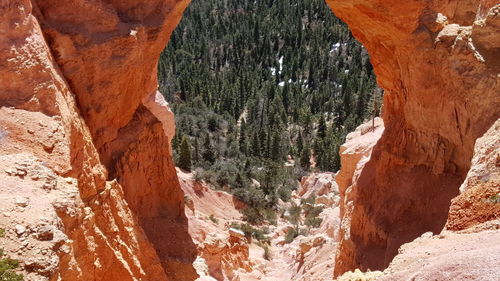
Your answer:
<point x="438" y="64"/>
<point x="86" y="71"/>
<point x="77" y="78"/>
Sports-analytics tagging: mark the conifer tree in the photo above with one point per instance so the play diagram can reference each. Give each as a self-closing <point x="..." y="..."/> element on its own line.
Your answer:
<point x="255" y="144"/>
<point x="243" y="138"/>
<point x="208" y="154"/>
<point x="185" y="154"/>
<point x="305" y="158"/>
<point x="276" y="148"/>
<point x="322" y="127"/>
<point x="300" y="143"/>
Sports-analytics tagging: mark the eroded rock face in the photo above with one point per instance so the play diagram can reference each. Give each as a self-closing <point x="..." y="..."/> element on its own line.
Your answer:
<point x="317" y="185"/>
<point x="85" y="141"/>
<point x="479" y="201"/>
<point x="437" y="62"/>
<point x="223" y="252"/>
<point x="447" y="256"/>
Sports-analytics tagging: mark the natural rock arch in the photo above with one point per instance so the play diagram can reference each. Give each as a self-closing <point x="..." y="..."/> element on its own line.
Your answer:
<point x="93" y="70"/>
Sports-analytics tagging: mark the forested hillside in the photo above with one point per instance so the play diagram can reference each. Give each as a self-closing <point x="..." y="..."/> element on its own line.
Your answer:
<point x="264" y="90"/>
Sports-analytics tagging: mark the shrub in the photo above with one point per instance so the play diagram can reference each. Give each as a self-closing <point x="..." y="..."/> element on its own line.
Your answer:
<point x="290" y="235"/>
<point x="271" y="216"/>
<point x="201" y="174"/>
<point x="311" y="200"/>
<point x="284" y="194"/>
<point x="7" y="267"/>
<point x="252" y="215"/>
<point x="252" y="232"/>
<point x="294" y="214"/>
<point x="2" y="232"/>
<point x="312" y="212"/>
<point x="213" y="219"/>
<point x="267" y="253"/>
<point x="313" y="222"/>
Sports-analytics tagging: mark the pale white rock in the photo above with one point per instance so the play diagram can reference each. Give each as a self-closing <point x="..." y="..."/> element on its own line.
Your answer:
<point x="20" y="230"/>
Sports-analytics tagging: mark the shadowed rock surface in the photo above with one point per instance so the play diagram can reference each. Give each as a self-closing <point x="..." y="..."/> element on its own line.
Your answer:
<point x="441" y="94"/>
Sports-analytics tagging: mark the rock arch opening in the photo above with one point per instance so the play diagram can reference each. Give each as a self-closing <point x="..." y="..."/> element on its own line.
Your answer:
<point x="431" y="121"/>
<point x="89" y="77"/>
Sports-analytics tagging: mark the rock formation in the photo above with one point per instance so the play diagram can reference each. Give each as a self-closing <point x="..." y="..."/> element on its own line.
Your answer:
<point x="223" y="252"/>
<point x="89" y="190"/>
<point x="438" y="64"/>
<point x="86" y="142"/>
<point x="447" y="256"/>
<point x="479" y="201"/>
<point x="317" y="184"/>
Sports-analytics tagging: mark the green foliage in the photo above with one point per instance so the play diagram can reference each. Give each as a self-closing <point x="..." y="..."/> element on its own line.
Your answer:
<point x="294" y="214"/>
<point x="285" y="194"/>
<point x="267" y="253"/>
<point x="308" y="201"/>
<point x="313" y="222"/>
<point x="185" y="154"/>
<point x="305" y="158"/>
<point x="2" y="232"/>
<point x="494" y="199"/>
<point x="208" y="154"/>
<point x="253" y="215"/>
<point x="252" y="232"/>
<point x="291" y="235"/>
<point x="311" y="218"/>
<point x="8" y="267"/>
<point x="213" y="219"/>
<point x="251" y="82"/>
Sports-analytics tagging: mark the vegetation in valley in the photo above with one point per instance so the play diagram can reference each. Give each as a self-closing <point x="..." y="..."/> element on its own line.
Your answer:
<point x="263" y="92"/>
<point x="8" y="266"/>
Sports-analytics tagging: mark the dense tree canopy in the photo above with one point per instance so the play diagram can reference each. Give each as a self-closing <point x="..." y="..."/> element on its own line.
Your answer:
<point x="253" y="82"/>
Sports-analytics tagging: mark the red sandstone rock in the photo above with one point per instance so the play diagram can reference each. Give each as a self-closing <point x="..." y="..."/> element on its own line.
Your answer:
<point x="81" y="135"/>
<point x="480" y="198"/>
<point x="222" y="250"/>
<point x="83" y="143"/>
<point x="434" y="60"/>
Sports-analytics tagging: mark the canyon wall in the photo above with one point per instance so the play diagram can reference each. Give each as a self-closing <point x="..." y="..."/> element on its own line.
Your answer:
<point x="86" y="142"/>
<point x="437" y="62"/>
<point x="89" y="190"/>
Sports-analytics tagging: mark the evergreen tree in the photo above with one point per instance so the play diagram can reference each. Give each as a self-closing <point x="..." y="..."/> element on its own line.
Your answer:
<point x="300" y="143"/>
<point x="185" y="154"/>
<point x="305" y="157"/>
<point x="196" y="152"/>
<point x="243" y="138"/>
<point x="322" y="127"/>
<point x="256" y="144"/>
<point x="208" y="154"/>
<point x="282" y="68"/>
<point x="276" y="148"/>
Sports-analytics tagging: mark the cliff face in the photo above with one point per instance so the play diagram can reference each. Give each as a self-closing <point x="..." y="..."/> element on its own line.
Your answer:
<point x="89" y="190"/>
<point x="479" y="201"/>
<point x="438" y="64"/>
<point x="86" y="141"/>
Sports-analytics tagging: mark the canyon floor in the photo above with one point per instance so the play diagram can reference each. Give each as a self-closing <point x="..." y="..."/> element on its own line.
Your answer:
<point x="224" y="253"/>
